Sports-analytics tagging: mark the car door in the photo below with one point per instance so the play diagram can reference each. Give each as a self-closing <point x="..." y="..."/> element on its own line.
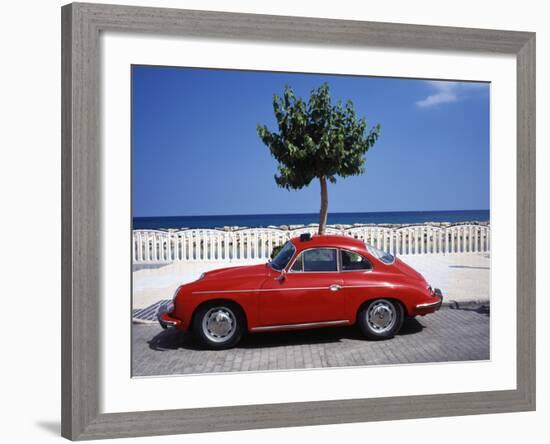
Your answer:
<point x="309" y="292"/>
<point x="360" y="280"/>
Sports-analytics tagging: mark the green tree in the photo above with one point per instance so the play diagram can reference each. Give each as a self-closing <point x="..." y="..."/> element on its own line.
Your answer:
<point x="317" y="139"/>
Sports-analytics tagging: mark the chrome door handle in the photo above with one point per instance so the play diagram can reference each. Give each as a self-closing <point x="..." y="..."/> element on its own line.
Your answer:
<point x="335" y="287"/>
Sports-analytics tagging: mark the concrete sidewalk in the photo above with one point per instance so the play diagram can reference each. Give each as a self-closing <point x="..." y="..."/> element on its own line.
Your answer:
<point x="463" y="278"/>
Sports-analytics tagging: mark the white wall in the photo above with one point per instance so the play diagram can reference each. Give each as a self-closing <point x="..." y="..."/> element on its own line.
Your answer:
<point x="30" y="184"/>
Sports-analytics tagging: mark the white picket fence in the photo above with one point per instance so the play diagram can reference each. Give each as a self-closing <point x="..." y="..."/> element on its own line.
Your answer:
<point x="156" y="246"/>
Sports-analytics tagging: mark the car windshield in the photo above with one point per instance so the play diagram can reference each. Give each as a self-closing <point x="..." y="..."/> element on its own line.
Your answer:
<point x="281" y="260"/>
<point x="381" y="255"/>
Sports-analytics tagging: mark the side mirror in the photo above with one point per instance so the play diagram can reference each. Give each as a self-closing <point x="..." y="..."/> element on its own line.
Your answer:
<point x="282" y="276"/>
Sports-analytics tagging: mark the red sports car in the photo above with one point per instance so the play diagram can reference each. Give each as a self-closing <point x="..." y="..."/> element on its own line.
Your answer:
<point x="313" y="282"/>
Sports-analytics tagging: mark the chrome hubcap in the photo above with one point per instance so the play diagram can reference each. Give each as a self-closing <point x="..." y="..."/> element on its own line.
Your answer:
<point x="218" y="324"/>
<point x="381" y="316"/>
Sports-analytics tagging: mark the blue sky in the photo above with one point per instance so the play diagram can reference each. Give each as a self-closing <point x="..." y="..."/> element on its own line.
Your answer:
<point x="195" y="149"/>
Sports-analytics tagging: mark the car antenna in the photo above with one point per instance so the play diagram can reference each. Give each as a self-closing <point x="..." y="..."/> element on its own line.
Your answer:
<point x="305" y="237"/>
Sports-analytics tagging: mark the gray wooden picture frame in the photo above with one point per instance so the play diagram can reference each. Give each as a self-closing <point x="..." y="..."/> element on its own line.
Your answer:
<point x="81" y="232"/>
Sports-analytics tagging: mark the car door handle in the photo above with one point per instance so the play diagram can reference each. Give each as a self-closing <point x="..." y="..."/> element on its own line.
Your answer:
<point x="335" y="287"/>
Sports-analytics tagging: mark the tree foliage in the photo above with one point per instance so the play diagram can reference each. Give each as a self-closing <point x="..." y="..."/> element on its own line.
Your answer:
<point x="317" y="139"/>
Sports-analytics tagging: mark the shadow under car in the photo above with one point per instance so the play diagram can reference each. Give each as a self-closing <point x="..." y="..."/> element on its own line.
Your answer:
<point x="173" y="339"/>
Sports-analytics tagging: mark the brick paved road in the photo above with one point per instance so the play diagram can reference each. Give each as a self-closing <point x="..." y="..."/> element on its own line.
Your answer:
<point x="447" y="335"/>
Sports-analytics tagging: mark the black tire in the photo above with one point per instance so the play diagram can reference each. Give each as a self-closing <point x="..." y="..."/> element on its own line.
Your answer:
<point x="380" y="318"/>
<point x="219" y="325"/>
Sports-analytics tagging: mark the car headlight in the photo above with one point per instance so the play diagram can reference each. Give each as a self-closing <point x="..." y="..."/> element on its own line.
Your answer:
<point x="165" y="307"/>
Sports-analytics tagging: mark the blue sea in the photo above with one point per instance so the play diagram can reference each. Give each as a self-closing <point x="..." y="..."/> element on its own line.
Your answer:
<point x="264" y="220"/>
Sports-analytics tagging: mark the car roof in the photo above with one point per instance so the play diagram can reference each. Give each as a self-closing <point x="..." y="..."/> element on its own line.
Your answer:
<point x="328" y="240"/>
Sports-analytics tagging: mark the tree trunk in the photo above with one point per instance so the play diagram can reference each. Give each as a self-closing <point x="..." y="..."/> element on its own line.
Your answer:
<point x="324" y="205"/>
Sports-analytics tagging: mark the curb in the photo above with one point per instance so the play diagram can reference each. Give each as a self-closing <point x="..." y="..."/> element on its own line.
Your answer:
<point x="144" y="321"/>
<point x="148" y="315"/>
<point x="457" y="305"/>
<point x="451" y="304"/>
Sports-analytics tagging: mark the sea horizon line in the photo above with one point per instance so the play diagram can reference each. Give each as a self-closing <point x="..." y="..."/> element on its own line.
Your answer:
<point x="314" y="213"/>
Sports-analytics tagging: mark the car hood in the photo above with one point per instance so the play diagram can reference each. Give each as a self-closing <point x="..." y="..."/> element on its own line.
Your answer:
<point x="407" y="270"/>
<point x="244" y="271"/>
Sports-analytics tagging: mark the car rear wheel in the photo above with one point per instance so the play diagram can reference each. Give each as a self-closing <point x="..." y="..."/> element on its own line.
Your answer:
<point x="219" y="326"/>
<point x="381" y="318"/>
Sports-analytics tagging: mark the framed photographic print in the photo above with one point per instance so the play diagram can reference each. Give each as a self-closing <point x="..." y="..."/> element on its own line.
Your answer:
<point x="278" y="221"/>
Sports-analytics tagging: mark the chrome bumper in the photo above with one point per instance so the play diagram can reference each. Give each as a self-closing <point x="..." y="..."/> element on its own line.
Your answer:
<point x="165" y="319"/>
<point x="432" y="305"/>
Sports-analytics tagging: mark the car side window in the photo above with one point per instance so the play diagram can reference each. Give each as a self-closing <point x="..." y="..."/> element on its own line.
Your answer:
<point x="319" y="259"/>
<point x="352" y="261"/>
<point x="298" y="264"/>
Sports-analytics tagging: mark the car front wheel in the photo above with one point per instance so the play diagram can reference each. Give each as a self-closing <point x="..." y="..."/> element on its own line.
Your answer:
<point x="381" y="319"/>
<point x="219" y="326"/>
